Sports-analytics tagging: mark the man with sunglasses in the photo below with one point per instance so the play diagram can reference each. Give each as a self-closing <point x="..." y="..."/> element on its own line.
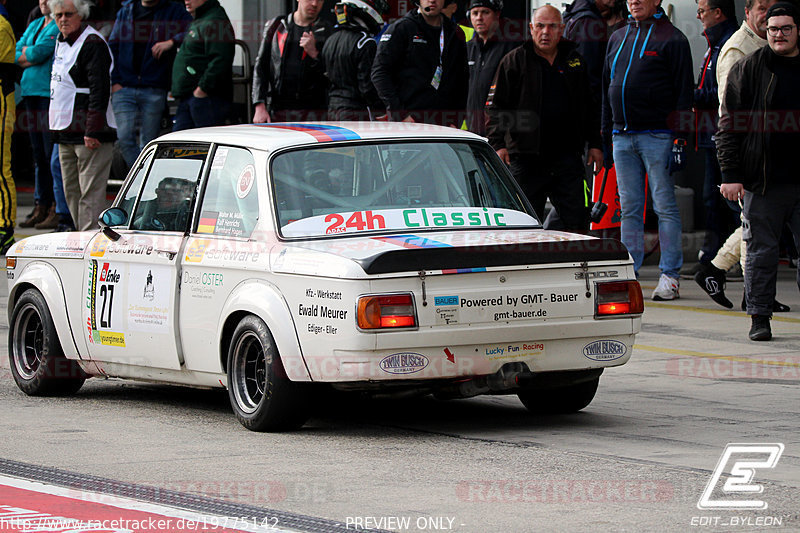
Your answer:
<point x="718" y="18"/>
<point x="759" y="132"/>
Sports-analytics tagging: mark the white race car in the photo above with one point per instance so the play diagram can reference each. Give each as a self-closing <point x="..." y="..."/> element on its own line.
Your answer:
<point x="381" y="257"/>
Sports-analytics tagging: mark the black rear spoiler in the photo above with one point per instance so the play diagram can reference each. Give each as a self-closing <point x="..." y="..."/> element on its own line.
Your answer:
<point x="451" y="258"/>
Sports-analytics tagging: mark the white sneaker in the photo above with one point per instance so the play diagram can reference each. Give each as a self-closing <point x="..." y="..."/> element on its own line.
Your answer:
<point x="667" y="288"/>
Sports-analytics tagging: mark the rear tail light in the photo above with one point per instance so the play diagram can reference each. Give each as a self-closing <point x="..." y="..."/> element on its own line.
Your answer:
<point x="616" y="298"/>
<point x="386" y="311"/>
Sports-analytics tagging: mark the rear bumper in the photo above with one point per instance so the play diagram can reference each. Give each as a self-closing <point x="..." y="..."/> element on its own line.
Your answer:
<point x="445" y="353"/>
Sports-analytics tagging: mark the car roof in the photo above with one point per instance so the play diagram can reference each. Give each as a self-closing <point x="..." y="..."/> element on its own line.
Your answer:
<point x="274" y="136"/>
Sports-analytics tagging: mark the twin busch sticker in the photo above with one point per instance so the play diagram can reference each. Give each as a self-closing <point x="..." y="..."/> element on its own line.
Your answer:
<point x="604" y="350"/>
<point x="403" y="363"/>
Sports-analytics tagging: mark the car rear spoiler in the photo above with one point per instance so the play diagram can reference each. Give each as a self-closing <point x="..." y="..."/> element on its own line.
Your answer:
<point x="451" y="257"/>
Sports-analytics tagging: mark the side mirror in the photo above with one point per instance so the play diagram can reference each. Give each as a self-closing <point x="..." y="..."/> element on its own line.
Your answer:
<point x="113" y="216"/>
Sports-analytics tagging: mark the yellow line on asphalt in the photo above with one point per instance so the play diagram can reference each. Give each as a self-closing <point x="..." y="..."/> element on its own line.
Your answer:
<point x="690" y="353"/>
<point x="715" y="311"/>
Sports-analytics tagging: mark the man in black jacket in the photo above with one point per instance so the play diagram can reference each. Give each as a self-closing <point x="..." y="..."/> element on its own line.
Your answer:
<point x="484" y="51"/>
<point x="289" y="82"/>
<point x="719" y="23"/>
<point x="420" y="70"/>
<point x="348" y="57"/>
<point x="589" y="24"/>
<point x="647" y="101"/>
<point x="542" y="115"/>
<point x="757" y="144"/>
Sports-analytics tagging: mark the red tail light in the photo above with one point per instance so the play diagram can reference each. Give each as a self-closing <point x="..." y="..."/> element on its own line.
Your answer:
<point x="616" y="298"/>
<point x="386" y="311"/>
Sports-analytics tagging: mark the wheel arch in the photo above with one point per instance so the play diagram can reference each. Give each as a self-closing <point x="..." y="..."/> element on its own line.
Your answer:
<point x="263" y="299"/>
<point x="45" y="279"/>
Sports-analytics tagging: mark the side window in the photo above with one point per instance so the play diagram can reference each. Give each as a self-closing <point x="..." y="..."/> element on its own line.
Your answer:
<point x="129" y="199"/>
<point x="165" y="203"/>
<point x="230" y="201"/>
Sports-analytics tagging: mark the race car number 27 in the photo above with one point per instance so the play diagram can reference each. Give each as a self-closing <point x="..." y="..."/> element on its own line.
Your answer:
<point x="358" y="221"/>
<point x="107" y="297"/>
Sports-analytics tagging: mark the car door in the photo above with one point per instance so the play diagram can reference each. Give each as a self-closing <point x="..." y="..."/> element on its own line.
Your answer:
<point x="132" y="283"/>
<point x="222" y="251"/>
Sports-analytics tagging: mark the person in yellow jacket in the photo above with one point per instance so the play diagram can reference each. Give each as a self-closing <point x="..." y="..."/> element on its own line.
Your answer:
<point x="8" y="192"/>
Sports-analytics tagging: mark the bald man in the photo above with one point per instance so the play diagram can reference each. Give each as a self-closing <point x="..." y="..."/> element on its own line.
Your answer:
<point x="542" y="115"/>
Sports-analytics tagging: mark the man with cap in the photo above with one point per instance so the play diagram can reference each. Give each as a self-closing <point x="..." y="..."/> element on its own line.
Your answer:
<point x="758" y="136"/>
<point x="484" y="51"/>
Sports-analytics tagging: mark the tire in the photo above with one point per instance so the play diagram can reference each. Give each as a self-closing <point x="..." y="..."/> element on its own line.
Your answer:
<point x="561" y="400"/>
<point x="37" y="361"/>
<point x="262" y="397"/>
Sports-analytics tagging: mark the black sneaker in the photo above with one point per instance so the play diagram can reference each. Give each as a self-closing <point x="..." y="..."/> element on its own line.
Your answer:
<point x="712" y="280"/>
<point x="6" y="239"/>
<point x="777" y="307"/>
<point x="760" y="330"/>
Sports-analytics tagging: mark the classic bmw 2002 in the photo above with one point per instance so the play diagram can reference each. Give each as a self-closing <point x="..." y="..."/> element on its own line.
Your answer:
<point x="270" y="259"/>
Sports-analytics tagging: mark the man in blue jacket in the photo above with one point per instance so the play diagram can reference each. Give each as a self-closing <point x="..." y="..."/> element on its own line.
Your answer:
<point x="143" y="42"/>
<point x="647" y="100"/>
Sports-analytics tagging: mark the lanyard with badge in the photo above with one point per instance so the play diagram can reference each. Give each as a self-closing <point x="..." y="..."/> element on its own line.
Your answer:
<point x="437" y="76"/>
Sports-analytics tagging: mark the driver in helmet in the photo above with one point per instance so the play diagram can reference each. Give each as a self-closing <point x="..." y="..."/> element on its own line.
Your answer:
<point x="168" y="210"/>
<point x="348" y="57"/>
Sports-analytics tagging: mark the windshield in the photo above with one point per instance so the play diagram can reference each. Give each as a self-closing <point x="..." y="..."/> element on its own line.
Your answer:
<point x="394" y="186"/>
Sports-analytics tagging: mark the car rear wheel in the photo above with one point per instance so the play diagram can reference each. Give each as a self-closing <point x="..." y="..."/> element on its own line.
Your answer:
<point x="561" y="400"/>
<point x="37" y="361"/>
<point x="262" y="397"/>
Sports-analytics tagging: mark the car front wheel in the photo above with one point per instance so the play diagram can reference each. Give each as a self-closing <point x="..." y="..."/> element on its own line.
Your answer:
<point x="561" y="400"/>
<point x="37" y="361"/>
<point x="262" y="397"/>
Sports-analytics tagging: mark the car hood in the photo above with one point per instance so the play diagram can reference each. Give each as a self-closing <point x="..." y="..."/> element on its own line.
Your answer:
<point x="448" y="252"/>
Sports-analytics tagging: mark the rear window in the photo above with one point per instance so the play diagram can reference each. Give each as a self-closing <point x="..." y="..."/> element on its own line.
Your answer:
<point x="394" y="186"/>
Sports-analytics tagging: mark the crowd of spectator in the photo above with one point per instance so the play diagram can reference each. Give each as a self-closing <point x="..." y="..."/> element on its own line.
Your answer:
<point x="604" y="82"/>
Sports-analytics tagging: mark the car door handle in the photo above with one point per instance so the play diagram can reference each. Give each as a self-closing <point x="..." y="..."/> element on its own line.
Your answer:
<point x="169" y="254"/>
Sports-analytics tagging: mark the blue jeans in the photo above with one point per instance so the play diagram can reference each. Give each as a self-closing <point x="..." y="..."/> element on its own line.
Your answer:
<point x="62" y="208"/>
<point x="201" y="112"/>
<point x="138" y="111"/>
<point x="637" y="154"/>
